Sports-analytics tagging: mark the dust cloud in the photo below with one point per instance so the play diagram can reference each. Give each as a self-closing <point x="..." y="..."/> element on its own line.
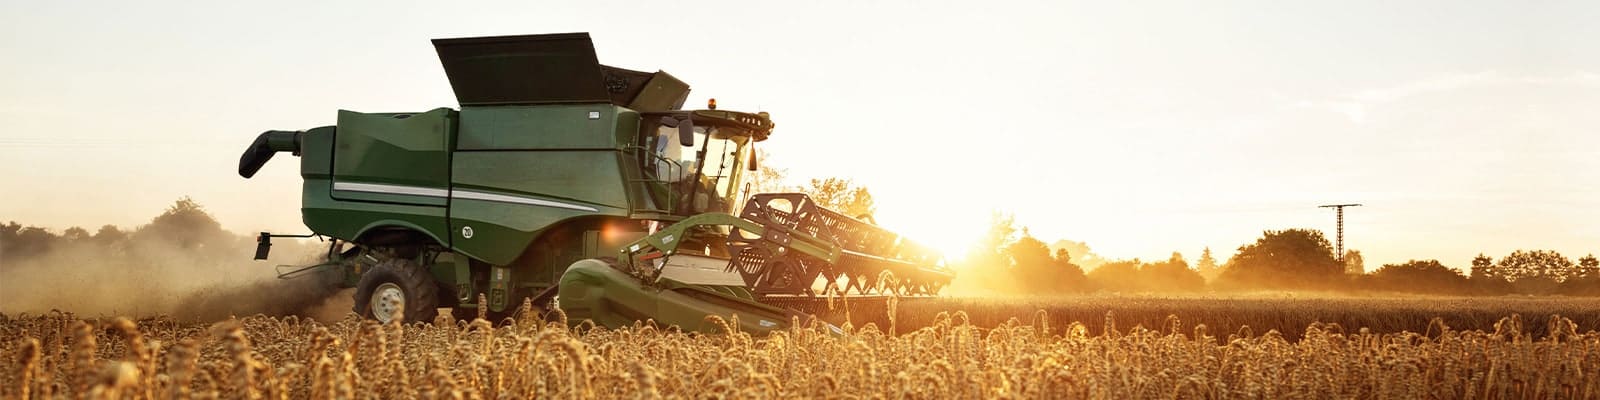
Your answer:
<point x="150" y="279"/>
<point x="181" y="265"/>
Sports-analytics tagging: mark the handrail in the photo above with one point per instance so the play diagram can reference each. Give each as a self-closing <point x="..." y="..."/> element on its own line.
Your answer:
<point x="674" y="168"/>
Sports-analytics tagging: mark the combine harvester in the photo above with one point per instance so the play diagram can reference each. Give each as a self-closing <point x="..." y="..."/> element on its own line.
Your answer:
<point x="563" y="179"/>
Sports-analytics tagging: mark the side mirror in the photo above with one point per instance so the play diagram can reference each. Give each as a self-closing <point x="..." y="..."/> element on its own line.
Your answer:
<point x="751" y="166"/>
<point x="686" y="132"/>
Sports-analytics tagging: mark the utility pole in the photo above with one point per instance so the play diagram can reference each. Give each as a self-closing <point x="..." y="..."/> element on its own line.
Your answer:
<point x="1338" y="210"/>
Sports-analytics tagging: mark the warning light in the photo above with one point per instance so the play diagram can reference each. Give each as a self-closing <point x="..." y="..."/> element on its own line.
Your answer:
<point x="711" y="104"/>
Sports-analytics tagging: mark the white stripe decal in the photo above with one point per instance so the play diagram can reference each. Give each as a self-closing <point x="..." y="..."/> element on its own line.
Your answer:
<point x="390" y="189"/>
<point x="460" y="194"/>
<point x="471" y="195"/>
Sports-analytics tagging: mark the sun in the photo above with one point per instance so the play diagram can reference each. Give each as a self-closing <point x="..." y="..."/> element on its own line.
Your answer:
<point x="952" y="237"/>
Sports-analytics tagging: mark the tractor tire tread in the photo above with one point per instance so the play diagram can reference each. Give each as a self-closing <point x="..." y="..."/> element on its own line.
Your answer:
<point x="418" y="284"/>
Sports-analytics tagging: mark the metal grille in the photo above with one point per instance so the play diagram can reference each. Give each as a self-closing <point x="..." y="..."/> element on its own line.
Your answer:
<point x="869" y="252"/>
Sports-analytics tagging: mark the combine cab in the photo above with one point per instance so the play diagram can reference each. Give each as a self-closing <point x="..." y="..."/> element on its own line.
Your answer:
<point x="559" y="176"/>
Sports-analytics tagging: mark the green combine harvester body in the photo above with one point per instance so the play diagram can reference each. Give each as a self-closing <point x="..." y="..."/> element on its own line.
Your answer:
<point x="562" y="176"/>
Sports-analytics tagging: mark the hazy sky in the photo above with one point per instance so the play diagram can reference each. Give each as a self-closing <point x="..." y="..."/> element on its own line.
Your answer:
<point x="1145" y="128"/>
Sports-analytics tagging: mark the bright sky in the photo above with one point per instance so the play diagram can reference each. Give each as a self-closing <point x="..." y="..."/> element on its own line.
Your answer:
<point x="1464" y="127"/>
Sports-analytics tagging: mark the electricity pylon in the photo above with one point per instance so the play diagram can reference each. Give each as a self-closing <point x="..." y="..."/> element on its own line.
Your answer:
<point x="1339" y="241"/>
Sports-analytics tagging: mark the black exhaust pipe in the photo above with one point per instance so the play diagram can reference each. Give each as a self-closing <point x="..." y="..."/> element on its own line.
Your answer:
<point x="267" y="144"/>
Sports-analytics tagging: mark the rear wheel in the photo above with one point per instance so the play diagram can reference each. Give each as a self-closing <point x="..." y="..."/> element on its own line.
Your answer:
<point x="397" y="287"/>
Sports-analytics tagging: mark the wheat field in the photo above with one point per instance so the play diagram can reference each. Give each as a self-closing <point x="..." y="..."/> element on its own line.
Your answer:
<point x="59" y="355"/>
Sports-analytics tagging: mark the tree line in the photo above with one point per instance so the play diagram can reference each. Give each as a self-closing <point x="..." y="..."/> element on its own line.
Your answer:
<point x="184" y="226"/>
<point x="1009" y="258"/>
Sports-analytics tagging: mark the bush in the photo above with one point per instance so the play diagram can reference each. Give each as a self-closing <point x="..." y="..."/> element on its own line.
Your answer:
<point x="1287" y="259"/>
<point x="1419" y="277"/>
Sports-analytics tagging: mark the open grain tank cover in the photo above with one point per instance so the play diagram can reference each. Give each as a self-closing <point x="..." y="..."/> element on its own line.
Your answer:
<point x="544" y="69"/>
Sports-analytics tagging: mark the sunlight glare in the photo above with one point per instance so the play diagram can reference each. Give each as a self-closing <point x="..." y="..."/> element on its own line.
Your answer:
<point x="951" y="235"/>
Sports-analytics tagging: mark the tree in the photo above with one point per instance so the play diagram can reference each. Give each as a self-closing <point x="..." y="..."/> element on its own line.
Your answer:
<point x="1207" y="266"/>
<point x="1117" y="276"/>
<point x="986" y="265"/>
<point x="1030" y="263"/>
<point x="1586" y="282"/>
<point x="841" y="195"/>
<point x="75" y="234"/>
<point x="837" y="194"/>
<point x="1070" y="275"/>
<point x="1173" y="275"/>
<point x="1588" y="267"/>
<point x="186" y="224"/>
<point x="1037" y="271"/>
<point x="768" y="178"/>
<point x="1287" y="259"/>
<point x="109" y="234"/>
<point x="1353" y="264"/>
<point x="1080" y="252"/>
<point x="1002" y="227"/>
<point x="1486" y="279"/>
<point x="1483" y="268"/>
<point x="20" y="242"/>
<point x="1546" y="264"/>
<point x="1419" y="277"/>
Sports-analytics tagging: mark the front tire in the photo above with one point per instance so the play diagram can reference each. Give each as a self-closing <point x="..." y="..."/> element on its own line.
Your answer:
<point x="397" y="287"/>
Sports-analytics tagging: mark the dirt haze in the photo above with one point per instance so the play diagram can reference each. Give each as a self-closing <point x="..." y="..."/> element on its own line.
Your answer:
<point x="182" y="265"/>
<point x="148" y="279"/>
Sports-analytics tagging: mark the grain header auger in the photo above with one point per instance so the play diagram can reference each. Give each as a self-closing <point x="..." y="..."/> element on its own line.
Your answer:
<point x="563" y="179"/>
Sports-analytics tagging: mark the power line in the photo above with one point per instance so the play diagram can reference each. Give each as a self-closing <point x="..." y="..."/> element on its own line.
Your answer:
<point x="1339" y="211"/>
